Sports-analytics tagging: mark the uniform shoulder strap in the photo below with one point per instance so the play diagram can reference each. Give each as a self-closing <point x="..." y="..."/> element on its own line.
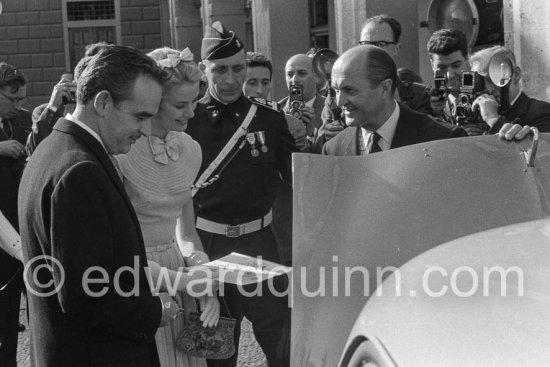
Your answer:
<point x="241" y="131"/>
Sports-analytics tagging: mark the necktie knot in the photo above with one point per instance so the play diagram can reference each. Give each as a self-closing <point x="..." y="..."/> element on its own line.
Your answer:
<point x="374" y="147"/>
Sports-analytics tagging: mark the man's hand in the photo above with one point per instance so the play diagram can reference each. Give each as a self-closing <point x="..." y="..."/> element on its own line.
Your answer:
<point x="12" y="149"/>
<point x="330" y="129"/>
<point x="61" y="92"/>
<point x="307" y="114"/>
<point x="170" y="309"/>
<point x="513" y="131"/>
<point x="488" y="107"/>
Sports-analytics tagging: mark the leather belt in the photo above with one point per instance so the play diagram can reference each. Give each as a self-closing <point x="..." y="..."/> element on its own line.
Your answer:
<point x="237" y="230"/>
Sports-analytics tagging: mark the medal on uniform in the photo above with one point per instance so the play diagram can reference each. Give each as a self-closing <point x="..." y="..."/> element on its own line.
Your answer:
<point x="261" y="139"/>
<point x="251" y="139"/>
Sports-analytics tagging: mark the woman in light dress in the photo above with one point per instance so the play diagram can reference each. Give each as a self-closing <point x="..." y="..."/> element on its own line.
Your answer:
<point x="158" y="173"/>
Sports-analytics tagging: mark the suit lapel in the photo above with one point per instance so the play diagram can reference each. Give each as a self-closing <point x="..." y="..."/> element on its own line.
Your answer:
<point x="99" y="152"/>
<point x="519" y="109"/>
<point x="405" y="131"/>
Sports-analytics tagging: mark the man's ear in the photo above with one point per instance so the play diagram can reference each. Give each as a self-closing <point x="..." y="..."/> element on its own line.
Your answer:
<point x="516" y="77"/>
<point x="102" y="100"/>
<point x="386" y="86"/>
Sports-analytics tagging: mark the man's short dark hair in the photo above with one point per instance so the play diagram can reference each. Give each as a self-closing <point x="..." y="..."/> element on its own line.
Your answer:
<point x="446" y="41"/>
<point x="89" y="51"/>
<point x="256" y="59"/>
<point x="392" y="22"/>
<point x="115" y="69"/>
<point x="379" y="66"/>
<point x="11" y="77"/>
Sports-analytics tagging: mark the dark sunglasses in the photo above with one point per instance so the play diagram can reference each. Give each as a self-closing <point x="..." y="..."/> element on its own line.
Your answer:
<point x="377" y="43"/>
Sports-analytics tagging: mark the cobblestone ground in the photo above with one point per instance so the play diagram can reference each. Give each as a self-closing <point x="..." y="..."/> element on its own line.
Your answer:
<point x="250" y="353"/>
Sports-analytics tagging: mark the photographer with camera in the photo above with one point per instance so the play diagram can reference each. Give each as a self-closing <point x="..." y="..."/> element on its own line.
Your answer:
<point x="44" y="116"/>
<point x="454" y="87"/>
<point x="448" y="50"/>
<point x="499" y="107"/>
<point x="303" y="101"/>
<point x="62" y="100"/>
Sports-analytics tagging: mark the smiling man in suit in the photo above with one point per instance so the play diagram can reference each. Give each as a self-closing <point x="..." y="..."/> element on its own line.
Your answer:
<point x="364" y="78"/>
<point x="91" y="309"/>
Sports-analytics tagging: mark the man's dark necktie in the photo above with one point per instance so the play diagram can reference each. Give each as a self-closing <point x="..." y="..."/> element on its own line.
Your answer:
<point x="373" y="147"/>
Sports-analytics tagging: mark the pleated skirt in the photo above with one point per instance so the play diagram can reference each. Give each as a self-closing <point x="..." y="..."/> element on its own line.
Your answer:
<point x="169" y="255"/>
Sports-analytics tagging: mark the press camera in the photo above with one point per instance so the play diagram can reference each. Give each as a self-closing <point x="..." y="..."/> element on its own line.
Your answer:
<point x="472" y="86"/>
<point x="322" y="63"/>
<point x="296" y="100"/>
<point x="68" y="78"/>
<point x="440" y="89"/>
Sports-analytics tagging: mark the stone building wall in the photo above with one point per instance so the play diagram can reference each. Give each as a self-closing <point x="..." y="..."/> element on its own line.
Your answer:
<point x="31" y="39"/>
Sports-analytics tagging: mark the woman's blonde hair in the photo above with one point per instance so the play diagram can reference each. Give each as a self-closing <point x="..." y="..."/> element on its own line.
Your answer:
<point x="179" y="65"/>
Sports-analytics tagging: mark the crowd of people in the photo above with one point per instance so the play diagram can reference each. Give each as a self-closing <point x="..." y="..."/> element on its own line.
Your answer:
<point x="156" y="162"/>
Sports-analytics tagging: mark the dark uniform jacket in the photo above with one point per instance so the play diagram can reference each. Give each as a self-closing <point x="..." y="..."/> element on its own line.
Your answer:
<point x="528" y="111"/>
<point x="73" y="207"/>
<point x="10" y="174"/>
<point x="412" y="128"/>
<point x="246" y="189"/>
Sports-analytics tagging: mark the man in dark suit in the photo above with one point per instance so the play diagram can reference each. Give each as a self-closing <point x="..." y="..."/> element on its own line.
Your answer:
<point x="518" y="108"/>
<point x="364" y="78"/>
<point x="79" y="231"/>
<point x="384" y="32"/>
<point x="15" y="124"/>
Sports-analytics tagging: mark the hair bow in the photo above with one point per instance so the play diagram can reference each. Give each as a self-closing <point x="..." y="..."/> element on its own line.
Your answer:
<point x="164" y="149"/>
<point x="173" y="60"/>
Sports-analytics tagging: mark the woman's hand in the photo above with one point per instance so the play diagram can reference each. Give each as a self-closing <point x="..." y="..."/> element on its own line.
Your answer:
<point x="197" y="258"/>
<point x="210" y="314"/>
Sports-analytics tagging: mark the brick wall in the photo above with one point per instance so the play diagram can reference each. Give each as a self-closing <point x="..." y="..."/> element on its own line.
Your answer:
<point x="140" y="23"/>
<point x="31" y="39"/>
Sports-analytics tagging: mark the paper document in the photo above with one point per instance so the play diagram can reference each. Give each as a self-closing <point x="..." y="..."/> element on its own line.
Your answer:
<point x="241" y="269"/>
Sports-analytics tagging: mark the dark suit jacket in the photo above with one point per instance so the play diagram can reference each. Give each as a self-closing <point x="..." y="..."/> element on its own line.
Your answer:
<point x="529" y="111"/>
<point x="73" y="207"/>
<point x="318" y="106"/>
<point x="412" y="128"/>
<point x="10" y="173"/>
<point x="416" y="96"/>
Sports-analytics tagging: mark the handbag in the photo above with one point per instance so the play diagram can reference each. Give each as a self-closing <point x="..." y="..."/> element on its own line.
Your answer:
<point x="215" y="342"/>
